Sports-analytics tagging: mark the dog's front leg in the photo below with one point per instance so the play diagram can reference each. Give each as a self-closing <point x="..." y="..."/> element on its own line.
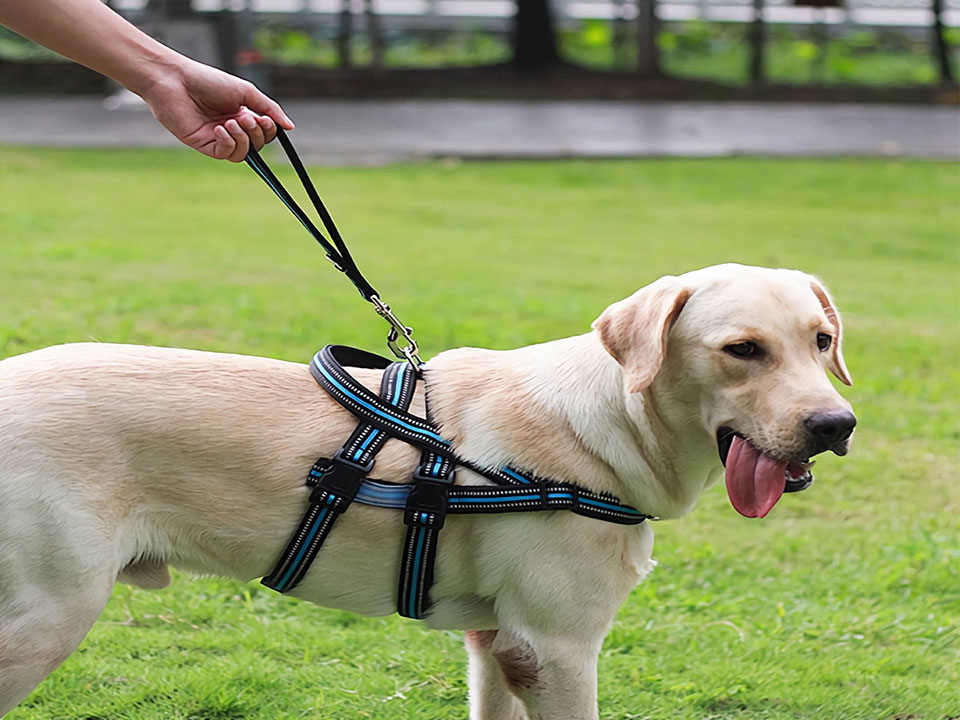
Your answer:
<point x="557" y="676"/>
<point x="554" y="611"/>
<point x="523" y="675"/>
<point x="491" y="697"/>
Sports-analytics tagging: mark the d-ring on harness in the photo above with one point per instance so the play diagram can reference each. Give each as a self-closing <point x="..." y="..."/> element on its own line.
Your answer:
<point x="339" y="481"/>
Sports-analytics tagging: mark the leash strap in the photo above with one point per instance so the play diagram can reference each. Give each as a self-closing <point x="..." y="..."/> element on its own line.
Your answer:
<point x="335" y="248"/>
<point x="336" y="483"/>
<point x="336" y="251"/>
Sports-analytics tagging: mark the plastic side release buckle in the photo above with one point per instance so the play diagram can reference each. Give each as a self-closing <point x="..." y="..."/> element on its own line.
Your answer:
<point x="427" y="504"/>
<point x="343" y="479"/>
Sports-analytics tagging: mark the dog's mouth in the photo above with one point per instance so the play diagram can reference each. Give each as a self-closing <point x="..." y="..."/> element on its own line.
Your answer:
<point x="756" y="480"/>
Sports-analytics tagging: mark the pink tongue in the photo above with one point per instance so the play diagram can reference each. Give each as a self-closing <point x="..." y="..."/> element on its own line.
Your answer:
<point x="754" y="481"/>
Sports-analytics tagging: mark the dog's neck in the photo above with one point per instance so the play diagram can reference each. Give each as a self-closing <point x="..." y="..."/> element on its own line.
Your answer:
<point x="559" y="410"/>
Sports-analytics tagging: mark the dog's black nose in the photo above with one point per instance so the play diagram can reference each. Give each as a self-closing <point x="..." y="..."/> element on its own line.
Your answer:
<point x="827" y="429"/>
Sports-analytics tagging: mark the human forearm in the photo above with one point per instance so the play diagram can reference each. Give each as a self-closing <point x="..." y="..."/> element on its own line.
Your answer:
<point x="211" y="111"/>
<point x="90" y="33"/>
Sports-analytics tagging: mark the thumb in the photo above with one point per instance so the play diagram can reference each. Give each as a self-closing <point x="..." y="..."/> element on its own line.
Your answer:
<point x="260" y="103"/>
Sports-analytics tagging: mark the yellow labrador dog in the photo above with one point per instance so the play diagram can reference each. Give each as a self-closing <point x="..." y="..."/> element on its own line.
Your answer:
<point x="117" y="461"/>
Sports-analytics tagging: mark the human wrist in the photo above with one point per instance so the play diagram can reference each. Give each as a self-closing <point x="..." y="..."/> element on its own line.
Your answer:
<point x="155" y="66"/>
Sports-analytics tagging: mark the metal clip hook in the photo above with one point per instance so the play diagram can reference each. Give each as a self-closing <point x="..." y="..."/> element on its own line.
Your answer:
<point x="410" y="351"/>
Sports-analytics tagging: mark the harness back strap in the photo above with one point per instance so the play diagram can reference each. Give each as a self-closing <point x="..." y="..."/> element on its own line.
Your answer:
<point x="327" y="369"/>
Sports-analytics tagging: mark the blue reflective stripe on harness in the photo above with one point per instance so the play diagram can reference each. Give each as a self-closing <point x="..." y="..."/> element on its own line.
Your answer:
<point x="379" y="413"/>
<point x="396" y="393"/>
<point x="306" y="543"/>
<point x="514" y="474"/>
<point x="619" y="508"/>
<point x="515" y="498"/>
<point x="421" y="536"/>
<point x="366" y="443"/>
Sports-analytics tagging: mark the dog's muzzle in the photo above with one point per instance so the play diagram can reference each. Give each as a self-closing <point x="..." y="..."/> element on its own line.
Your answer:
<point x="798" y="475"/>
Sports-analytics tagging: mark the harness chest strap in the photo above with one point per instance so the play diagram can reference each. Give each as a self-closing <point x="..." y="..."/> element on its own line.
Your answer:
<point x="429" y="498"/>
<point x="424" y="513"/>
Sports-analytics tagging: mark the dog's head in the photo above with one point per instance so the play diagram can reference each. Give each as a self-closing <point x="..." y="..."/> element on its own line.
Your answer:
<point x="741" y="351"/>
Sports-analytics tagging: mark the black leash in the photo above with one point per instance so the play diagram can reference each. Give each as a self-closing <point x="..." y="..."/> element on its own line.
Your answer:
<point x="336" y="251"/>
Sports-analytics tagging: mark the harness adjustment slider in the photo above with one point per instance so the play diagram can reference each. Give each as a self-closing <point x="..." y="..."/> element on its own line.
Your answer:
<point x="545" y="495"/>
<point x="419" y="476"/>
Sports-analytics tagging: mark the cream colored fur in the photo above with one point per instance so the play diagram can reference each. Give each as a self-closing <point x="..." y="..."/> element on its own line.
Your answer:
<point x="116" y="461"/>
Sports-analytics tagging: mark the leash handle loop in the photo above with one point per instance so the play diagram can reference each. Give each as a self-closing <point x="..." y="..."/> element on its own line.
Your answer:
<point x="336" y="251"/>
<point x="338" y="255"/>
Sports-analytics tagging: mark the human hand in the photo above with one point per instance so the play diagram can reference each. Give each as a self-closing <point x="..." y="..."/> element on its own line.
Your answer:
<point x="213" y="112"/>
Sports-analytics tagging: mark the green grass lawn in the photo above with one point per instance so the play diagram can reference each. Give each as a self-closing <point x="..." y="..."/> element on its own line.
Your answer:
<point x="843" y="603"/>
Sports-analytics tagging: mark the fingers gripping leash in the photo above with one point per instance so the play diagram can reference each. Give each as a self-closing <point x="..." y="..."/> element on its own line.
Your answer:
<point x="335" y="248"/>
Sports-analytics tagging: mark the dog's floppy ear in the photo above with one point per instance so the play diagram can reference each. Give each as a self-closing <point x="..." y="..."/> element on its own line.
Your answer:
<point x="837" y="366"/>
<point x="634" y="331"/>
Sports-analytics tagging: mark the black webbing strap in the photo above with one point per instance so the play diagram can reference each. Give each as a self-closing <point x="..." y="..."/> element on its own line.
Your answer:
<point x="336" y="482"/>
<point x="328" y="370"/>
<point x="541" y="495"/>
<point x="336" y="251"/>
<point x="424" y="515"/>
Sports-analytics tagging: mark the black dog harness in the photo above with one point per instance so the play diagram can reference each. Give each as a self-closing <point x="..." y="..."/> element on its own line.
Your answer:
<point x="429" y="498"/>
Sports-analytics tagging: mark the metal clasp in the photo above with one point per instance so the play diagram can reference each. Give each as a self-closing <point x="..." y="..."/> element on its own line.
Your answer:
<point x="410" y="351"/>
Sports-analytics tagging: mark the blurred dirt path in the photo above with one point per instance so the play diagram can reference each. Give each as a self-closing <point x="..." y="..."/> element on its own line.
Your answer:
<point x="377" y="132"/>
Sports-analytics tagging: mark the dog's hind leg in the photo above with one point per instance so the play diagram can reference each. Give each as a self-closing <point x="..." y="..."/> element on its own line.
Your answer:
<point x="39" y="627"/>
<point x="57" y="569"/>
<point x="490" y="695"/>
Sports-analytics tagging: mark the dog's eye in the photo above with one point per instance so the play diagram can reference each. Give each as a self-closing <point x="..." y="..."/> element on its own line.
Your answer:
<point x="823" y="341"/>
<point x="744" y="349"/>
